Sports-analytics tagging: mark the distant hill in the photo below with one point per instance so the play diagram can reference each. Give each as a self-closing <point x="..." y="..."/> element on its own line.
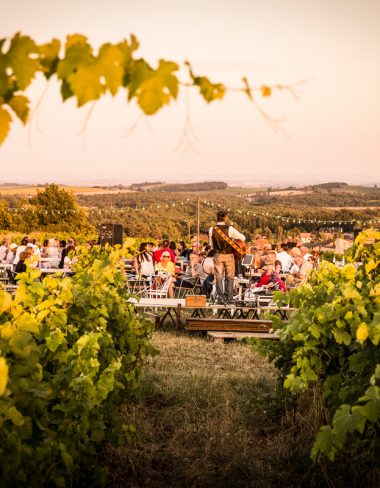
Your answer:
<point x="178" y="187"/>
<point x="330" y="185"/>
<point x="190" y="187"/>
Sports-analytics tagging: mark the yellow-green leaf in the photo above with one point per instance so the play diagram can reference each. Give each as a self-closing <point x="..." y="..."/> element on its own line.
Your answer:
<point x="85" y="83"/>
<point x="210" y="91"/>
<point x="77" y="54"/>
<point x="15" y="416"/>
<point x="73" y="39"/>
<point x="5" y="123"/>
<point x="5" y="301"/>
<point x="19" y="59"/>
<point x="49" y="53"/>
<point x="362" y="332"/>
<point x="20" y="106"/>
<point x="3" y="375"/>
<point x="110" y="61"/>
<point x="151" y="97"/>
<point x="371" y="265"/>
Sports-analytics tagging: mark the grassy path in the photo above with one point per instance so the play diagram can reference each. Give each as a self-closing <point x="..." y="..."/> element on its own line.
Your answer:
<point x="207" y="416"/>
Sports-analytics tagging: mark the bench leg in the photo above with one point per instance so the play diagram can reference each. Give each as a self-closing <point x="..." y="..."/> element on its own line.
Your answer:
<point x="220" y="340"/>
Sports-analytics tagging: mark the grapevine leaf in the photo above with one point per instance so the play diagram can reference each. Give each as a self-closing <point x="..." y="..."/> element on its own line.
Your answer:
<point x="78" y="54"/>
<point x="324" y="443"/>
<point x="5" y="301"/>
<point x="141" y="72"/>
<point x="15" y="416"/>
<point x="345" y="422"/>
<point x="371" y="409"/>
<point x="111" y="60"/>
<point x="376" y="375"/>
<point x="49" y="53"/>
<point x="20" y="106"/>
<point x="151" y="97"/>
<point x="85" y="84"/>
<point x="3" y="75"/>
<point x="371" y="265"/>
<point x="351" y="293"/>
<point x="375" y="328"/>
<point x="210" y="91"/>
<point x="127" y="49"/>
<point x="19" y="59"/>
<point x="3" y="375"/>
<point x="165" y="74"/>
<point x="362" y="332"/>
<point x="5" y="123"/>
<point x="156" y="87"/>
<point x="342" y="337"/>
<point x="66" y="90"/>
<point x="73" y="39"/>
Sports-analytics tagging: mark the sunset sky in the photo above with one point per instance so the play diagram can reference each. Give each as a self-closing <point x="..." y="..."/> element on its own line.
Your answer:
<point x="333" y="129"/>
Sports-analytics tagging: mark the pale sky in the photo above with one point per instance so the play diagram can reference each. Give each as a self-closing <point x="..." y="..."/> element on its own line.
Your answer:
<point x="333" y="129"/>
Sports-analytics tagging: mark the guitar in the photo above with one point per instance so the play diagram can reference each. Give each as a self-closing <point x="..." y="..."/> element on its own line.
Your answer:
<point x="239" y="246"/>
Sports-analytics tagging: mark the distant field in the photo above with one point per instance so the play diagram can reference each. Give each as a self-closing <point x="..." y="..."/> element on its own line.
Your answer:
<point x="32" y="190"/>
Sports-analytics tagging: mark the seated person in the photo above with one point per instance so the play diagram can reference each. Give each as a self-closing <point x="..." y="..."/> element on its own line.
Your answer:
<point x="69" y="260"/>
<point x="270" y="279"/>
<point x="301" y="270"/>
<point x="143" y="262"/>
<point x="11" y="253"/>
<point x="271" y="258"/>
<point x="163" y="247"/>
<point x="207" y="263"/>
<point x="21" y="266"/>
<point x="167" y="266"/>
<point x="193" y="272"/>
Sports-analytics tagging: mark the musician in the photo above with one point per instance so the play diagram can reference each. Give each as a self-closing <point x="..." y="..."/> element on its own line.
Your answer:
<point x="224" y="260"/>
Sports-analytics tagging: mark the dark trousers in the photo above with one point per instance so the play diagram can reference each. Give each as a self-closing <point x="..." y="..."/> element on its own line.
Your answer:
<point x="207" y="285"/>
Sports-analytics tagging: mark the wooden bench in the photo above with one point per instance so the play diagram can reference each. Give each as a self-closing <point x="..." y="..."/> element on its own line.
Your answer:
<point x="222" y="336"/>
<point x="231" y="325"/>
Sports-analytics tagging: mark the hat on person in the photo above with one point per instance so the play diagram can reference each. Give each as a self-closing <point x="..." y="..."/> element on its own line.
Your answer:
<point x="13" y="246"/>
<point x="166" y="253"/>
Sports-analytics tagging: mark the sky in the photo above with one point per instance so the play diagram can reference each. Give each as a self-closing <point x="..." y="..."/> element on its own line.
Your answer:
<point x="331" y="132"/>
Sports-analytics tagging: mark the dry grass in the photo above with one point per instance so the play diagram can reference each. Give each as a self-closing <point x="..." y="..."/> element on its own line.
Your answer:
<point x="32" y="190"/>
<point x="207" y="415"/>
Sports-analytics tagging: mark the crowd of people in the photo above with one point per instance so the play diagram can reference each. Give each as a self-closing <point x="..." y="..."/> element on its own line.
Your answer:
<point x="271" y="266"/>
<point x="212" y="264"/>
<point x="52" y="253"/>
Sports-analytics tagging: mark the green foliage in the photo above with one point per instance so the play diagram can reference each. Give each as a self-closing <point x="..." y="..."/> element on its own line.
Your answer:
<point x="56" y="209"/>
<point x="52" y="209"/>
<point x="70" y="351"/>
<point x="87" y="75"/>
<point x="334" y="339"/>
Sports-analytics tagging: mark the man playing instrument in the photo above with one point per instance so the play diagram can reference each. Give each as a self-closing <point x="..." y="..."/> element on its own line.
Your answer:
<point x="224" y="260"/>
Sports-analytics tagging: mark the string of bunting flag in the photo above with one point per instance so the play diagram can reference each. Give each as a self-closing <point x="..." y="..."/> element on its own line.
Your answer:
<point x="112" y="211"/>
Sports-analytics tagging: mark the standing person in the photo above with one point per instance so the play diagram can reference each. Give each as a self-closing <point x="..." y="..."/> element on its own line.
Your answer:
<point x="224" y="260"/>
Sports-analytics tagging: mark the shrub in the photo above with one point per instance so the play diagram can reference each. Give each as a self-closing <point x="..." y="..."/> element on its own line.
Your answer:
<point x="333" y="339"/>
<point x="70" y="349"/>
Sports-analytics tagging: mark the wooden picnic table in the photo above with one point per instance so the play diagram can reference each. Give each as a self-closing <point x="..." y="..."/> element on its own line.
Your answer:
<point x="174" y="308"/>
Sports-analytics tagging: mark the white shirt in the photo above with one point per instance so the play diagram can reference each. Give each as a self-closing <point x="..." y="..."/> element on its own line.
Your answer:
<point x="286" y="261"/>
<point x="232" y="233"/>
<point x="208" y="265"/>
<point x="19" y="250"/>
<point x="3" y="252"/>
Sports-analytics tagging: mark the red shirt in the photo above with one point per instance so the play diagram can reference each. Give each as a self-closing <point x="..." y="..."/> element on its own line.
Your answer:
<point x="157" y="255"/>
